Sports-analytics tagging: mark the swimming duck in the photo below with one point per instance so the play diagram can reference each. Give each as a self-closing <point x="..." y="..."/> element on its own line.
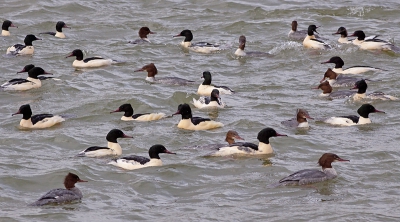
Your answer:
<point x="91" y="62"/>
<point x="32" y="82"/>
<point x="203" y="47"/>
<point x="351" y="120"/>
<point x="339" y="63"/>
<point x="362" y="86"/>
<point x="206" y="88"/>
<point x="143" y="32"/>
<point x="194" y="123"/>
<point x="19" y="49"/>
<point x="152" y="72"/>
<point x="4" y="28"/>
<point x="59" y="34"/>
<point x="339" y="80"/>
<point x="129" y="116"/>
<point x="300" y="120"/>
<point x="327" y="91"/>
<point x="38" y="121"/>
<point x="240" y="51"/>
<point x="209" y="102"/>
<point x="373" y="44"/>
<point x="311" y="42"/>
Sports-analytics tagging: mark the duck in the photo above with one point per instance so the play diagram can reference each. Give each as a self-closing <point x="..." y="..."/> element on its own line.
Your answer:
<point x="343" y="35"/>
<point x="209" y="102"/>
<point x="338" y="80"/>
<point x="60" y="195"/>
<point x="92" y="62"/>
<point x="263" y="147"/>
<point x="202" y="47"/>
<point x="362" y="86"/>
<point x="230" y="138"/>
<point x="309" y="176"/>
<point x="372" y="44"/>
<point x="4" y="28"/>
<point x="32" y="82"/>
<point x="152" y="71"/>
<point x="240" y="51"/>
<point x="19" y="49"/>
<point x="352" y="120"/>
<point x="206" y="88"/>
<point x="327" y="91"/>
<point x="299" y="121"/>
<point x="113" y="148"/>
<point x="134" y="162"/>
<point x="39" y="121"/>
<point x="194" y="123"/>
<point x="143" y="117"/>
<point x="311" y="42"/>
<point x="339" y="63"/>
<point x="59" y="33"/>
<point x="298" y="35"/>
<point x="143" y="32"/>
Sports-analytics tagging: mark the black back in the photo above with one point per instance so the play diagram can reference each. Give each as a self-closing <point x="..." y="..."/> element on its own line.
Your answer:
<point x="245" y="145"/>
<point x="94" y="148"/>
<point x="140" y="159"/>
<point x="40" y="117"/>
<point x="352" y="117"/>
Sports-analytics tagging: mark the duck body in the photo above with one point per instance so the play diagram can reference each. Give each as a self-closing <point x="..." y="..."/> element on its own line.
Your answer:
<point x="143" y="32"/>
<point x="202" y="47"/>
<point x="206" y="88"/>
<point x="209" y="102"/>
<point x="339" y="63"/>
<point x="311" y="42"/>
<point x="92" y="62"/>
<point x="20" y="49"/>
<point x="59" y="33"/>
<point x="299" y="121"/>
<point x="194" y="123"/>
<point x="240" y="51"/>
<point x="362" y="86"/>
<point x="31" y="82"/>
<point x="351" y="120"/>
<point x="38" y="121"/>
<point x="327" y="91"/>
<point x="373" y="43"/>
<point x="129" y="116"/>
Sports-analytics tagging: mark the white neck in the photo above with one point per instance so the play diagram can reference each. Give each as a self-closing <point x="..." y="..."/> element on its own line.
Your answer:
<point x="264" y="148"/>
<point x="357" y="42"/>
<point x="337" y="70"/>
<point x="240" y="52"/>
<point x="154" y="162"/>
<point x="359" y="96"/>
<point x="343" y="40"/>
<point x="59" y="34"/>
<point x="150" y="79"/>
<point x="324" y="94"/>
<point x="146" y="39"/>
<point x="116" y="147"/>
<point x="331" y="81"/>
<point x="186" y="44"/>
<point x="330" y="172"/>
<point x="5" y="33"/>
<point x="26" y="123"/>
<point x="363" y="120"/>
<point x="186" y="124"/>
<point x="303" y="124"/>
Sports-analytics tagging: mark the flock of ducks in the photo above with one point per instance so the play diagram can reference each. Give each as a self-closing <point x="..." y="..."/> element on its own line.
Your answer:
<point x="210" y="98"/>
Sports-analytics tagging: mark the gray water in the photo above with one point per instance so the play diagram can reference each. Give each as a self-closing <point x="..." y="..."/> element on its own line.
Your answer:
<point x="191" y="187"/>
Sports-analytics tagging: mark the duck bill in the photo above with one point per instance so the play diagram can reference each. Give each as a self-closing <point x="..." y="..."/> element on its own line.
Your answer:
<point x="342" y="160"/>
<point x="23" y="70"/>
<point x="70" y="55"/>
<point x="177" y="112"/>
<point x="169" y="152"/>
<point x="47" y="73"/>
<point x="336" y="33"/>
<point x="355" y="87"/>
<point x="378" y="111"/>
<point x="326" y="62"/>
<point x="16" y="113"/>
<point x="82" y="181"/>
<point x="12" y="25"/>
<point x="322" y="80"/>
<point x="115" y="111"/>
<point x="153" y="33"/>
<point x="352" y="35"/>
<point x="126" y="136"/>
<point x="238" y="138"/>
<point x="176" y="35"/>
<point x="38" y="38"/>
<point x="316" y="87"/>
<point x="65" y="26"/>
<point x="139" y="70"/>
<point x="278" y="134"/>
<point x="309" y="117"/>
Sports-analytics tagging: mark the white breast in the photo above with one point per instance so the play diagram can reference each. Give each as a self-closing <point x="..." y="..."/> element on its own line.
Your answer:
<point x="240" y="52"/>
<point x="92" y="63"/>
<point x="340" y="121"/>
<point x="5" y="33"/>
<point x="363" y="120"/>
<point x="28" y="50"/>
<point x="60" y="35"/>
<point x="133" y="165"/>
<point x="45" y="123"/>
<point x="359" y="96"/>
<point x="303" y="124"/>
<point x="150" y="117"/>
<point x="187" y="124"/>
<point x="344" y="40"/>
<point x="309" y="43"/>
<point x="200" y="103"/>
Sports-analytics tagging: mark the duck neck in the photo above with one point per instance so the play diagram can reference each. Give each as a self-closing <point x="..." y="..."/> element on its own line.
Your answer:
<point x="230" y="140"/>
<point x="265" y="148"/>
<point x="116" y="147"/>
<point x="330" y="172"/>
<point x="76" y="191"/>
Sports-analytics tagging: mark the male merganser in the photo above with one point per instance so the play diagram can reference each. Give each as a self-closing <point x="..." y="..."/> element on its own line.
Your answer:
<point x="209" y="102"/>
<point x="363" y="111"/>
<point x="152" y="72"/>
<point x="113" y="148"/>
<point x="311" y="42"/>
<point x="327" y="91"/>
<point x="38" y="121"/>
<point x="19" y="49"/>
<point x="372" y="44"/>
<point x="92" y="62"/>
<point x="203" y="47"/>
<point x="362" y="86"/>
<point x="309" y="176"/>
<point x="31" y="82"/>
<point x="134" y="162"/>
<point x="300" y="120"/>
<point x="129" y="116"/>
<point x="231" y="135"/>
<point x="339" y="63"/>
<point x="338" y="80"/>
<point x="194" y="123"/>
<point x="240" y="51"/>
<point x="206" y="88"/>
<point x="60" y="195"/>
<point x="58" y="33"/>
<point x="4" y="28"/>
<point x="31" y="66"/>
<point x="264" y="147"/>
<point x="343" y="35"/>
<point x="298" y="35"/>
<point x="143" y="32"/>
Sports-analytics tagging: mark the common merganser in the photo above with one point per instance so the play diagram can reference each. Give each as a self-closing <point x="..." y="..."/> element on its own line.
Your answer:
<point x="38" y="121"/>
<point x="311" y="42"/>
<point x="4" y="28"/>
<point x="327" y="91"/>
<point x="338" y="80"/>
<point x="343" y="35"/>
<point x="134" y="162"/>
<point x="209" y="102"/>
<point x="264" y="147"/>
<point x="363" y="111"/>
<point x="113" y="148"/>
<point x="372" y="44"/>
<point x="60" y="195"/>
<point x="59" y="34"/>
<point x="91" y="62"/>
<point x="298" y="35"/>
<point x="152" y="72"/>
<point x="206" y="88"/>
<point x="339" y="63"/>
<point x="194" y="123"/>
<point x="203" y="47"/>
<point x="129" y="116"/>
<point x="19" y="49"/>
<point x="31" y="82"/>
<point x="362" y="86"/>
<point x="299" y="121"/>
<point x="143" y="32"/>
<point x="231" y="135"/>
<point x="31" y="66"/>
<point x="240" y="51"/>
<point x="309" y="176"/>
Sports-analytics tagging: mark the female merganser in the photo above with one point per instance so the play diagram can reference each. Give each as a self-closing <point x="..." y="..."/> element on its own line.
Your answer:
<point x="38" y="121"/>
<point x="113" y="148"/>
<point x="300" y="120"/>
<point x="152" y="72"/>
<point x="143" y="32"/>
<point x="194" y="123"/>
<point x="339" y="63"/>
<point x="4" y="28"/>
<point x="206" y="88"/>
<point x="363" y="111"/>
<point x="362" y="86"/>
<point x="209" y="102"/>
<point x="240" y="51"/>
<point x="264" y="147"/>
<point x="203" y="47"/>
<point x="19" y="49"/>
<point x="128" y="115"/>
<point x="31" y="82"/>
<point x="327" y="91"/>
<point x="88" y="62"/>
<point x="338" y="80"/>
<point x="58" y="33"/>
<point x="298" y="35"/>
<point x="372" y="44"/>
<point x="343" y="35"/>
<point x="134" y="162"/>
<point x="309" y="176"/>
<point x="311" y="42"/>
<point x="231" y="135"/>
<point x="60" y="195"/>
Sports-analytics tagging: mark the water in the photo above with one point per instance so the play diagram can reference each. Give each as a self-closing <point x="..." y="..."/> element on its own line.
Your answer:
<point x="190" y="187"/>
